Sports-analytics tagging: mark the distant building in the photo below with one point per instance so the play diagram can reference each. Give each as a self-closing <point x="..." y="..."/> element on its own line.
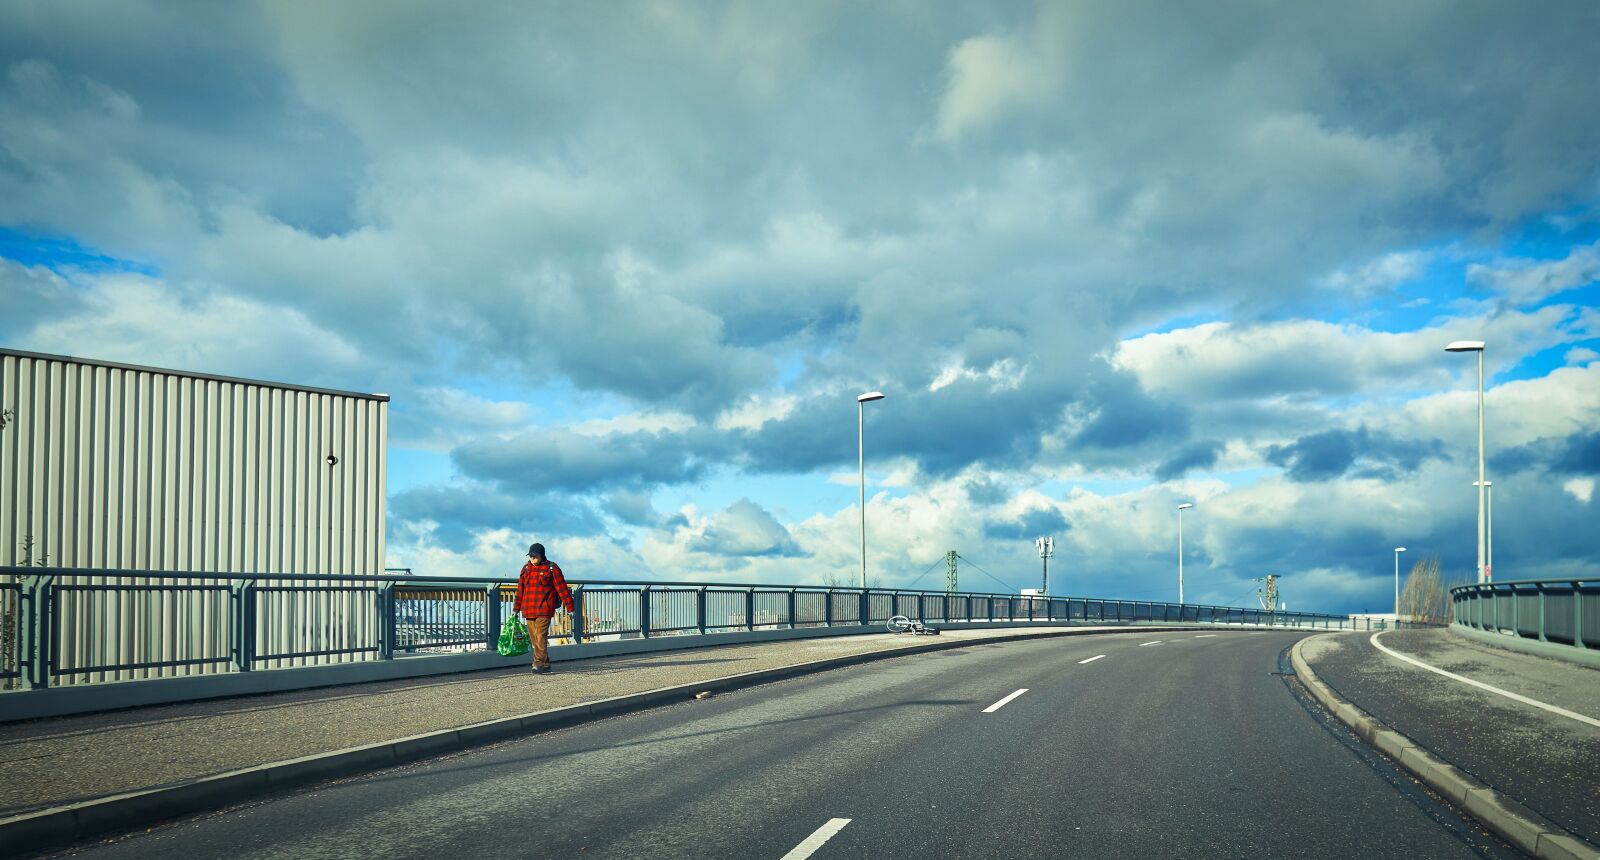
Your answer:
<point x="116" y="466"/>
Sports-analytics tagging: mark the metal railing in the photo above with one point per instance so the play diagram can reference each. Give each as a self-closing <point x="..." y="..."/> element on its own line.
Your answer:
<point x="83" y="626"/>
<point x="1561" y="611"/>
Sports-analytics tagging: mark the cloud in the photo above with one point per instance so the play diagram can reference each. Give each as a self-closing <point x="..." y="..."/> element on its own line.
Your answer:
<point x="1199" y="455"/>
<point x="1333" y="453"/>
<point x="455" y="515"/>
<point x="1030" y="524"/>
<point x="1380" y="275"/>
<point x="548" y="459"/>
<point x="1528" y="282"/>
<point x="746" y="529"/>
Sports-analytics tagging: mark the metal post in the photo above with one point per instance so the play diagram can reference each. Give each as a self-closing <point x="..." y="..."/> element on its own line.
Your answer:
<point x="1539" y="587"/>
<point x="386" y="625"/>
<point x="750" y="608"/>
<point x="644" y="612"/>
<point x="861" y="485"/>
<point x="491" y="636"/>
<point x="866" y="614"/>
<point x="1483" y="502"/>
<point x="827" y="609"/>
<point x="700" y="610"/>
<point x="1577" y="616"/>
<point x="577" y="615"/>
<point x="792" y="624"/>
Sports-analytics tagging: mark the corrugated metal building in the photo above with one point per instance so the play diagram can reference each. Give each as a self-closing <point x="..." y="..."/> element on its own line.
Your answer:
<point x="107" y="466"/>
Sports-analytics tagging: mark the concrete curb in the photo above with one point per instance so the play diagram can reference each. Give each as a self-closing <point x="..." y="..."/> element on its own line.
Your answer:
<point x="1514" y="822"/>
<point x="60" y="826"/>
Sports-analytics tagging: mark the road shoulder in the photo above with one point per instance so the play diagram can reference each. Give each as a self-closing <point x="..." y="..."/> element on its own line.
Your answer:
<point x="1512" y="820"/>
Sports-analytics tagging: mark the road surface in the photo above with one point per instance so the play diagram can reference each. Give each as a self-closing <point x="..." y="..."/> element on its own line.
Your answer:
<point x="1167" y="745"/>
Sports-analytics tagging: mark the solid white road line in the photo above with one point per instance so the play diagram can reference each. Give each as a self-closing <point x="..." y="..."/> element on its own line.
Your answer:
<point x="1002" y="703"/>
<point x="1481" y="685"/>
<point x="1091" y="659"/>
<point x="1147" y="644"/>
<point x="811" y="843"/>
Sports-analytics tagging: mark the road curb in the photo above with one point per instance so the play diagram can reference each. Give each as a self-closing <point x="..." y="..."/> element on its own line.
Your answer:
<point x="1514" y="822"/>
<point x="60" y="826"/>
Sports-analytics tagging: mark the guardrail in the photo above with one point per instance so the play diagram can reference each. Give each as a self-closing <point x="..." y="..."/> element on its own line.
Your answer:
<point x="67" y="627"/>
<point x="1559" y="611"/>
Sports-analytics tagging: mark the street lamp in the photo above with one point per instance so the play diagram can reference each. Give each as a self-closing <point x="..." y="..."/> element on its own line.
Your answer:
<point x="1397" y="551"/>
<point x="861" y="462"/>
<point x="1488" y="563"/>
<point x="1477" y="347"/>
<point x="1181" y="508"/>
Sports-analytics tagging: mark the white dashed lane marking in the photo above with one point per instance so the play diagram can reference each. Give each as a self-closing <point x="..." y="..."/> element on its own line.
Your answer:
<point x="1002" y="703"/>
<point x="1091" y="659"/>
<point x="811" y="843"/>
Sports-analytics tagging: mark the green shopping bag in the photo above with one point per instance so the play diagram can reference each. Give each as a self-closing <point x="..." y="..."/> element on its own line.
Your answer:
<point x="513" y="638"/>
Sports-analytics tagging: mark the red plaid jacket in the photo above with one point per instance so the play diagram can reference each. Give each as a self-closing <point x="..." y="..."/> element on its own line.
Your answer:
<point x="539" y="587"/>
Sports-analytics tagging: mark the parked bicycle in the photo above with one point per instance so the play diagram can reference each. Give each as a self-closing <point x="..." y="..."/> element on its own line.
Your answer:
<point x="902" y="624"/>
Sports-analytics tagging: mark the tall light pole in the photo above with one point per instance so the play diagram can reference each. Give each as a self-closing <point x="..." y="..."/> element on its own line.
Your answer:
<point x="1483" y="504"/>
<point x="861" y="462"/>
<point x="1488" y="564"/>
<point x="1397" y="551"/>
<point x="1181" y="508"/>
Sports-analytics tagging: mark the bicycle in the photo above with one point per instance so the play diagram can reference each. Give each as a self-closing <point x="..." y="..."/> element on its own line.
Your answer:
<point x="902" y="624"/>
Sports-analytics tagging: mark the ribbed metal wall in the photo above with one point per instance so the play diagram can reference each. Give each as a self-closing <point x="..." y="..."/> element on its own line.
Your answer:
<point x="112" y="466"/>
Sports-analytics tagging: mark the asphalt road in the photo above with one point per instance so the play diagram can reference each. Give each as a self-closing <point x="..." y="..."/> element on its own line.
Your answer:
<point x="1193" y="747"/>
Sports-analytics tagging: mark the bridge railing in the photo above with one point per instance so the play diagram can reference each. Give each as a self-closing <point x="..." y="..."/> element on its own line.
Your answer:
<point x="68" y="627"/>
<point x="1560" y="611"/>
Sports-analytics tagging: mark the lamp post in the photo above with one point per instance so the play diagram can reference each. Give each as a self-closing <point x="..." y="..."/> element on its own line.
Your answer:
<point x="1397" y="551"/>
<point x="861" y="463"/>
<point x="1488" y="563"/>
<point x="1482" y="485"/>
<point x="1181" y="508"/>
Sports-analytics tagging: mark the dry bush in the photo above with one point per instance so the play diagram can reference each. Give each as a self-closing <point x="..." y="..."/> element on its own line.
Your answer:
<point x="1426" y="596"/>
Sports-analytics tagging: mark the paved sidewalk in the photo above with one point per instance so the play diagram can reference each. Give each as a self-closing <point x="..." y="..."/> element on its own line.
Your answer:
<point x="1545" y="761"/>
<point x="46" y="763"/>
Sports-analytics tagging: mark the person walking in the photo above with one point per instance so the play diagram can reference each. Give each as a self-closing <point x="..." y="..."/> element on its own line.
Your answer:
<point x="539" y="587"/>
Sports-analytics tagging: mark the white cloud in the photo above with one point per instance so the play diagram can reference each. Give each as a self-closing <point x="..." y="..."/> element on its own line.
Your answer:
<point x="1317" y="358"/>
<point x="1581" y="489"/>
<point x="1527" y="282"/>
<point x="1380" y="275"/>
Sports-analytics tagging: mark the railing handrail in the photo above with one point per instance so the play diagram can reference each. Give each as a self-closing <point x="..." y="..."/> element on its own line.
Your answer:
<point x="1556" y="580"/>
<point x="17" y="570"/>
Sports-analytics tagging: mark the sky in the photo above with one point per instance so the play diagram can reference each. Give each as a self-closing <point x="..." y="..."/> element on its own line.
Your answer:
<point x="624" y="267"/>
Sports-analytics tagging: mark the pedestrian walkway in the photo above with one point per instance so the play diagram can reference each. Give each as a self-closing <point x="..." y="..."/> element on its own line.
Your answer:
<point x="1539" y="748"/>
<point x="46" y="763"/>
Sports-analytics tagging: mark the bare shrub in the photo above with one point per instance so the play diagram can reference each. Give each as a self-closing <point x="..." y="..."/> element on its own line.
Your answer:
<point x="1425" y="598"/>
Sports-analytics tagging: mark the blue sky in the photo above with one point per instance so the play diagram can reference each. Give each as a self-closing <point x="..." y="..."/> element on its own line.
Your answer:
<point x="623" y="273"/>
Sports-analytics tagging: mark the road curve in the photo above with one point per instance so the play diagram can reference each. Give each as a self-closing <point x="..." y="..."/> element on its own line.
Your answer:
<point x="1192" y="746"/>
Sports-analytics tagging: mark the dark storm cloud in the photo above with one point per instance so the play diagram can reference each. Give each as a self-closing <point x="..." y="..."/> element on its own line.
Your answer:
<point x="1578" y="454"/>
<point x="546" y="460"/>
<point x="1198" y="455"/>
<point x="635" y="508"/>
<point x="460" y="511"/>
<point x="1332" y="453"/>
<point x="1034" y="523"/>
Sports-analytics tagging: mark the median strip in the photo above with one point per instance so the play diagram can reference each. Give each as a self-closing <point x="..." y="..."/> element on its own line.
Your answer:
<point x="811" y="843"/>
<point x="1002" y="703"/>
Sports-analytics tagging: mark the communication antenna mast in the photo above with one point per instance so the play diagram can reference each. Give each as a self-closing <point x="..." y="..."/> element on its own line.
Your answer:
<point x="950" y="572"/>
<point x="1268" y="594"/>
<point x="1047" y="548"/>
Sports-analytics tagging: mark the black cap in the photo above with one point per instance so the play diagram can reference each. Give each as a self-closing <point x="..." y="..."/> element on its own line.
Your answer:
<point x="536" y="550"/>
